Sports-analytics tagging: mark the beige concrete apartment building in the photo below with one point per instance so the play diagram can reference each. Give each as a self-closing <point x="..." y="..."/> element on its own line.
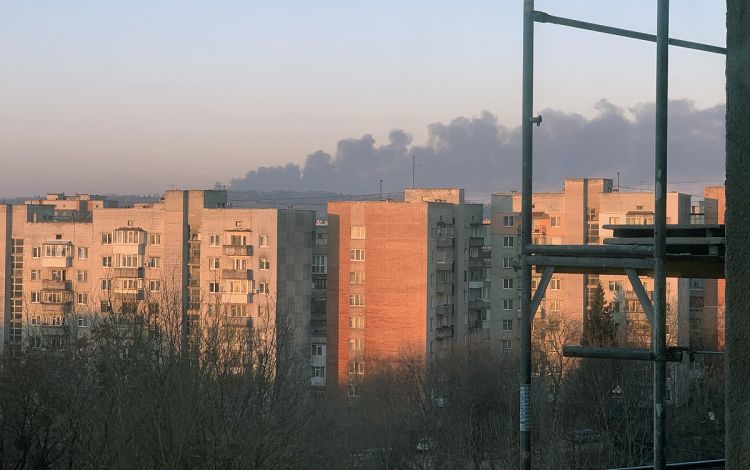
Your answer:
<point x="62" y="263"/>
<point x="575" y="216"/>
<point x="404" y="278"/>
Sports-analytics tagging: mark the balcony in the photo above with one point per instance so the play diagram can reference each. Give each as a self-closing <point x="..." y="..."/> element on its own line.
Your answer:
<point x="236" y="298"/>
<point x="444" y="266"/>
<point x="476" y="262"/>
<point x="444" y="332"/>
<point x="444" y="287"/>
<point x="476" y="284"/>
<point x="237" y="273"/>
<point x="48" y="284"/>
<point x="446" y="309"/>
<point x="476" y="241"/>
<point x="57" y="261"/>
<point x="128" y="249"/>
<point x="238" y="322"/>
<point x="127" y="272"/>
<point x="128" y="294"/>
<point x="444" y="242"/>
<point x="237" y="250"/>
<point x="476" y="324"/>
<point x="478" y="305"/>
<point x="60" y="309"/>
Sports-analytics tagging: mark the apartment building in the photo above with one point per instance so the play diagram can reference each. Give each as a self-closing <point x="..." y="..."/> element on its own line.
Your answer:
<point x="578" y="215"/>
<point x="318" y="313"/>
<point x="405" y="278"/>
<point x="59" y="268"/>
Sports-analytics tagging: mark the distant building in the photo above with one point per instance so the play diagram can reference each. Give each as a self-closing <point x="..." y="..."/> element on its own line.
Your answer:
<point x="404" y="278"/>
<point x="66" y="259"/>
<point x="577" y="215"/>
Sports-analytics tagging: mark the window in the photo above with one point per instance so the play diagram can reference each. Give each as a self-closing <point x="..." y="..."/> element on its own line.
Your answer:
<point x="239" y="264"/>
<point x="554" y="221"/>
<point x="264" y="264"/>
<point x="554" y="284"/>
<point x="507" y="263"/>
<point x="214" y="239"/>
<point x="507" y="304"/>
<point x="357" y="322"/>
<point x="82" y="275"/>
<point x="82" y="298"/>
<point x="154" y="262"/>
<point x="128" y="261"/>
<point x="319" y="264"/>
<point x="213" y="287"/>
<point x="319" y="283"/>
<point x="237" y="286"/>
<point x="36" y="297"/>
<point x="154" y="239"/>
<point x="485" y="315"/>
<point x="353" y="390"/>
<point x="615" y="286"/>
<point x="356" y="300"/>
<point x="508" y="242"/>
<point x="106" y="284"/>
<point x="318" y="349"/>
<point x="357" y="255"/>
<point x="356" y="344"/>
<point x="83" y="322"/>
<point x="507" y="221"/>
<point x="106" y="238"/>
<point x="238" y="310"/>
<point x="154" y="285"/>
<point x="36" y="320"/>
<point x="57" y="251"/>
<point x="57" y="321"/>
<point x="507" y="283"/>
<point x="321" y="239"/>
<point x="319" y="372"/>
<point x="35" y="275"/>
<point x="36" y="251"/>
<point x="107" y="261"/>
<point x="505" y="345"/>
<point x="238" y="240"/>
<point x="129" y="237"/>
<point x="83" y="252"/>
<point x="131" y="284"/>
<point x="614" y="220"/>
<point x="357" y="367"/>
<point x="105" y="307"/>
<point x="554" y="305"/>
<point x="507" y="325"/>
<point x="358" y="232"/>
<point x="358" y="277"/>
<point x="214" y="263"/>
<point x="263" y="288"/>
<point x="58" y="274"/>
<point x="264" y="241"/>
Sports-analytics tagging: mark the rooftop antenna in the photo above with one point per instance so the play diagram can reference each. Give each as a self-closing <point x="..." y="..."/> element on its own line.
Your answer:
<point x="380" y="197"/>
<point x="618" y="181"/>
<point x="413" y="169"/>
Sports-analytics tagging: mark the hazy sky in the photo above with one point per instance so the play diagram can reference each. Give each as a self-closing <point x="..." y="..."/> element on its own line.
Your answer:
<point x="134" y="96"/>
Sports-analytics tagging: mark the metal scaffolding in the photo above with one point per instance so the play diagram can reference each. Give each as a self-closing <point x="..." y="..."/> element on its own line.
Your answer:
<point x="630" y="260"/>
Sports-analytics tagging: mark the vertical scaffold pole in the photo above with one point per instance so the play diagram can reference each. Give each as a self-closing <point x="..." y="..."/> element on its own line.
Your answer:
<point x="526" y="192"/>
<point x="660" y="240"/>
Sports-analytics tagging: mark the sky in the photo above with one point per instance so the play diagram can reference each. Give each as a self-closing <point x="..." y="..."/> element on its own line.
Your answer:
<point x="138" y="96"/>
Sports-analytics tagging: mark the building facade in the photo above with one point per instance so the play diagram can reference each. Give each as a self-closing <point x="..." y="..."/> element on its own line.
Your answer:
<point x="63" y="266"/>
<point x="405" y="278"/>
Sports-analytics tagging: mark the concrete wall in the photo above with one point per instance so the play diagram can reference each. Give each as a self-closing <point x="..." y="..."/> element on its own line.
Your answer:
<point x="738" y="237"/>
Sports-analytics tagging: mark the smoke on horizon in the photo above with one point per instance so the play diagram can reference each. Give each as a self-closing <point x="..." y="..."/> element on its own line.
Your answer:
<point x="478" y="153"/>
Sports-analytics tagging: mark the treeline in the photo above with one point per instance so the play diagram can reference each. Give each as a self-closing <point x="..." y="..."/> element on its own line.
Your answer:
<point x="137" y="392"/>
